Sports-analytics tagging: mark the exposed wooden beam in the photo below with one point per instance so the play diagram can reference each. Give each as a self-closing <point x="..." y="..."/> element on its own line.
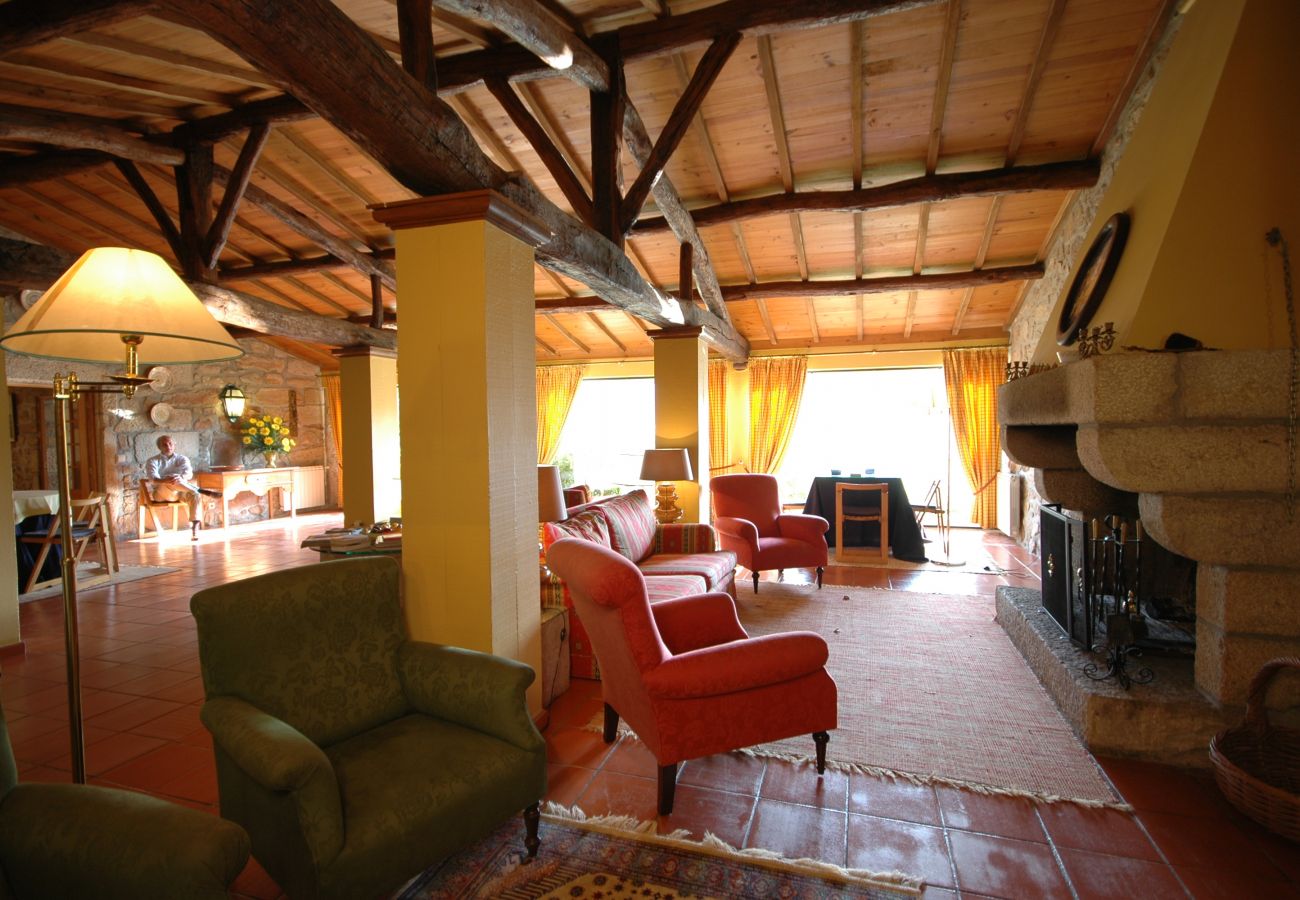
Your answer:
<point x="418" y="139"/>
<point x="307" y="227"/>
<point x="677" y="33"/>
<point x="377" y="299"/>
<point x="236" y="187"/>
<point x="344" y="286"/>
<point x="112" y="234"/>
<point x="923" y="189"/>
<point x="24" y="23"/>
<point x="541" y="33"/>
<point x="464" y="28"/>
<point x="684" y="112"/>
<point x="767" y="65"/>
<point x="280" y="110"/>
<point x="415" y="35"/>
<point x="304" y="266"/>
<point x="943" y="79"/>
<point x="810" y="308"/>
<point x="910" y="317"/>
<point x="119" y="104"/>
<point x="572" y="305"/>
<point x="607" y="109"/>
<point x="169" y="90"/>
<point x="533" y="99"/>
<point x="857" y="75"/>
<point x="83" y="133"/>
<point x="32" y="267"/>
<point x="545" y="149"/>
<point x="303" y="287"/>
<point x="859" y="313"/>
<point x="116" y="210"/>
<point x="1054" y="14"/>
<point x="685" y="290"/>
<point x="311" y="200"/>
<point x="175" y="58"/>
<point x="962" y="309"/>
<point x="596" y="320"/>
<point x="194" y="210"/>
<point x="767" y="321"/>
<point x="145" y="191"/>
<point x="569" y="335"/>
<point x="546" y="348"/>
<point x="390" y="318"/>
<point x="890" y="284"/>
<point x="922" y="233"/>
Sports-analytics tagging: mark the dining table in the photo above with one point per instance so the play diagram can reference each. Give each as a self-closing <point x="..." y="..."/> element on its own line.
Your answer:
<point x="32" y="512"/>
<point x="904" y="534"/>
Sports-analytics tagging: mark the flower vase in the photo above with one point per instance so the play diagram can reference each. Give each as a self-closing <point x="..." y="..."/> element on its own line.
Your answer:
<point x="272" y="458"/>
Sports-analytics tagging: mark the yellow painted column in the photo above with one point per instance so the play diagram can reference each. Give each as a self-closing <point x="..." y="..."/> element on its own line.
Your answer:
<point x="682" y="410"/>
<point x="10" y="634"/>
<point x="469" y="423"/>
<point x="368" y="382"/>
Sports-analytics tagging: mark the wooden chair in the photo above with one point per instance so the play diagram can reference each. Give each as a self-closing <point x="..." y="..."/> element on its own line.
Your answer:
<point x="90" y="524"/>
<point x="853" y="512"/>
<point x="149" y="507"/>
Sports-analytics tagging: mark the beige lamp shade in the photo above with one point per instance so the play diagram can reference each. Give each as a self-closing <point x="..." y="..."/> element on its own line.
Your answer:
<point x="114" y="291"/>
<point x="666" y="465"/>
<point x="550" y="495"/>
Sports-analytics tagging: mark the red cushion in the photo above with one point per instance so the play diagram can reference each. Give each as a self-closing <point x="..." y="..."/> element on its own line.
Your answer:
<point x="712" y="567"/>
<point x="670" y="587"/>
<point x="589" y="525"/>
<point x="631" y="524"/>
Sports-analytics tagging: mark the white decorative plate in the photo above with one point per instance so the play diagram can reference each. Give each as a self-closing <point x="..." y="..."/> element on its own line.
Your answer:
<point x="160" y="413"/>
<point x="160" y="377"/>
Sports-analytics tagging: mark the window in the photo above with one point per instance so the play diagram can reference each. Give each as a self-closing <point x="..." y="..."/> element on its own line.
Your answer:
<point x="892" y="421"/>
<point x="610" y="425"/>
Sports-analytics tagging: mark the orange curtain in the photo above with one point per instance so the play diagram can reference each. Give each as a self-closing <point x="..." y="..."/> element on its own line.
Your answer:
<point x="775" y="392"/>
<point x="556" y="387"/>
<point x="719" y="448"/>
<point x="334" y="401"/>
<point x="972" y="378"/>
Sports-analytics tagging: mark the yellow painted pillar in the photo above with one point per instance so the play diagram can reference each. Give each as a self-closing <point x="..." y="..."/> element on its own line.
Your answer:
<point x="682" y="410"/>
<point x="469" y="423"/>
<point x="372" y="490"/>
<point x="10" y="634"/>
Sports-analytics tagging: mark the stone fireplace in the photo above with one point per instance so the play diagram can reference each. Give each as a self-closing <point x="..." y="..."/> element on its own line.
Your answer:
<point x="1196" y="445"/>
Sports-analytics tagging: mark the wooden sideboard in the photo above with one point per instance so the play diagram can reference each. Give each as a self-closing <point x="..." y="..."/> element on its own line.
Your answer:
<point x="232" y="482"/>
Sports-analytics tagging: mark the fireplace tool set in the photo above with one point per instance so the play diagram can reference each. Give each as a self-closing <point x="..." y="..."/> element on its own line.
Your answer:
<point x="1109" y="582"/>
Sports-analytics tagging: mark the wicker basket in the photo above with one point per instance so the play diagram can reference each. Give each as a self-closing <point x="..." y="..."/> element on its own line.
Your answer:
<point x="1257" y="765"/>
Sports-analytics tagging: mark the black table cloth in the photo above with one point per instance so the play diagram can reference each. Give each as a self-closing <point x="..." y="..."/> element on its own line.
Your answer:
<point x="27" y="553"/>
<point x="904" y="534"/>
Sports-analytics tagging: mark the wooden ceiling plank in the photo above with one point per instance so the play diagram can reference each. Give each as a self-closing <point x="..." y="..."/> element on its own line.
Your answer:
<point x="175" y="58"/>
<point x="909" y="192"/>
<point x="115" y="209"/>
<point x="800" y="254"/>
<point x="233" y="195"/>
<point x="532" y="98"/>
<point x="53" y="236"/>
<point x="702" y="131"/>
<point x="284" y="299"/>
<point x="859" y="314"/>
<point x="84" y="133"/>
<point x="677" y="33"/>
<point x="943" y="79"/>
<point x="596" y="320"/>
<point x="922" y="233"/>
<point x="280" y="268"/>
<point x="120" y="105"/>
<point x="910" y="317"/>
<point x="743" y="250"/>
<point x="25" y="23"/>
<point x="940" y="281"/>
<point x="656" y="8"/>
<point x="545" y="149"/>
<point x="859" y="246"/>
<point x="684" y="112"/>
<point x="484" y="133"/>
<point x="290" y="184"/>
<point x="990" y="226"/>
<point x="857" y="75"/>
<point x="146" y="86"/>
<point x="811" y="309"/>
<point x="116" y="238"/>
<point x="767" y="321"/>
<point x="569" y="335"/>
<point x="344" y="286"/>
<point x="1147" y="46"/>
<point x="329" y="167"/>
<point x="306" y="288"/>
<point x="546" y="348"/>
<point x="559" y="282"/>
<point x="463" y="28"/>
<point x="1050" y="28"/>
<point x="771" y="88"/>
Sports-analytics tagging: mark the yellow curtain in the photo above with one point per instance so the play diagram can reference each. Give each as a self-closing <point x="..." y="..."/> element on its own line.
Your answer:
<point x="719" y="447"/>
<point x="972" y="378"/>
<point x="556" y="387"/>
<point x="334" y="400"/>
<point x="775" y="392"/>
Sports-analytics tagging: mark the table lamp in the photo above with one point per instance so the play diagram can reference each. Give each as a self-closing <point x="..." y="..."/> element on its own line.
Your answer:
<point x="665" y="467"/>
<point x="113" y="303"/>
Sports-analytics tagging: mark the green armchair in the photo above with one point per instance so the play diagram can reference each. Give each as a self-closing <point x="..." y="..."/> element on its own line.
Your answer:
<point x="74" y="840"/>
<point x="356" y="757"/>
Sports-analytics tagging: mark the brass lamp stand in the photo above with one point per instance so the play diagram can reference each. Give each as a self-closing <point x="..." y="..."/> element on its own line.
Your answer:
<point x="110" y="298"/>
<point x="666" y="466"/>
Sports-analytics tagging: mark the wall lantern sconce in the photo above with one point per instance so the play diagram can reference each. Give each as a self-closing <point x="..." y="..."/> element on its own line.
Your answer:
<point x="232" y="402"/>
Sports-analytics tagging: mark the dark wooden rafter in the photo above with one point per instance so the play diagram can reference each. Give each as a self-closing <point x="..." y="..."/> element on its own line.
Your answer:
<point x="376" y="302"/>
<point x="24" y="123"/>
<point x="279" y="110"/>
<point x="939" y="281"/>
<point x="27" y="266"/>
<point x="150" y="199"/>
<point x="572" y="305"/>
<point x="304" y="225"/>
<point x="676" y="33"/>
<point x="684" y="112"/>
<point x="420" y="141"/>
<point x="607" y="108"/>
<point x="415" y="35"/>
<point x="236" y="187"/>
<point x="545" y="149"/>
<point x="194" y="210"/>
<point x="685" y="291"/>
<point x="25" y="24"/>
<point x="302" y="266"/>
<point x="857" y="75"/>
<point x="922" y="189"/>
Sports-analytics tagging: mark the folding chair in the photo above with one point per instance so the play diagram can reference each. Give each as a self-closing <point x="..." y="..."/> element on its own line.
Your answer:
<point x="847" y="510"/>
<point x="88" y="524"/>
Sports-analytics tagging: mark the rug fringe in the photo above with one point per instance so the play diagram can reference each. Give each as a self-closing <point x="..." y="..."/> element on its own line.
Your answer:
<point x="647" y="830"/>
<point x="853" y="768"/>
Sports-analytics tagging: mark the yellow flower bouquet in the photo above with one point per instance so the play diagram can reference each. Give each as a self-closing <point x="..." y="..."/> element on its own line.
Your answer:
<point x="265" y="434"/>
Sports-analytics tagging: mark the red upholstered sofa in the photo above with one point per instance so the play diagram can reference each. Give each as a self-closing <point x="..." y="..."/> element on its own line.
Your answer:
<point x="677" y="560"/>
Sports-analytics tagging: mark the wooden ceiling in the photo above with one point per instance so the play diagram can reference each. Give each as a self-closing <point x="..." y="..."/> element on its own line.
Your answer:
<point x="890" y="175"/>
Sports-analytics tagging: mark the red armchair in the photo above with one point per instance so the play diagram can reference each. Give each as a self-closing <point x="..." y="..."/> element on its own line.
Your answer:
<point x="747" y="514"/>
<point x="684" y="674"/>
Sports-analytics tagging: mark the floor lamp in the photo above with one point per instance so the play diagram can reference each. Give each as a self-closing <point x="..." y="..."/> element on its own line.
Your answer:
<point x="113" y="302"/>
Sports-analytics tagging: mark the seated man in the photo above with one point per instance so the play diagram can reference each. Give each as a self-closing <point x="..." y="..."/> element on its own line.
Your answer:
<point x="171" y="477"/>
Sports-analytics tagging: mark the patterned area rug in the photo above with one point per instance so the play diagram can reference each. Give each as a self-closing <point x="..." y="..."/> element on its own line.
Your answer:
<point x="615" y="857"/>
<point x="931" y="690"/>
<point x="122" y="575"/>
<point x="976" y="564"/>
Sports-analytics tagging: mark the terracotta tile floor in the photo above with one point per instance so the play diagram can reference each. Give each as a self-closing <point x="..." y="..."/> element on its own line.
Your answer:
<point x="141" y="695"/>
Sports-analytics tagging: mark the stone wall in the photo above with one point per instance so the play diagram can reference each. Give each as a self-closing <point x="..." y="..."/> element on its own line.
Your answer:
<point x="186" y="404"/>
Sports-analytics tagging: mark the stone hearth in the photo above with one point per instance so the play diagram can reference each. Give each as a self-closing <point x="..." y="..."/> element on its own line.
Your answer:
<point x="1196" y="444"/>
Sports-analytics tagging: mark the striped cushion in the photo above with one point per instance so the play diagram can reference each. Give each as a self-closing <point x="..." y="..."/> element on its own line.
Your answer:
<point x="670" y="587"/>
<point x="685" y="537"/>
<point x="712" y="567"/>
<point x="588" y="525"/>
<point x="631" y="524"/>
